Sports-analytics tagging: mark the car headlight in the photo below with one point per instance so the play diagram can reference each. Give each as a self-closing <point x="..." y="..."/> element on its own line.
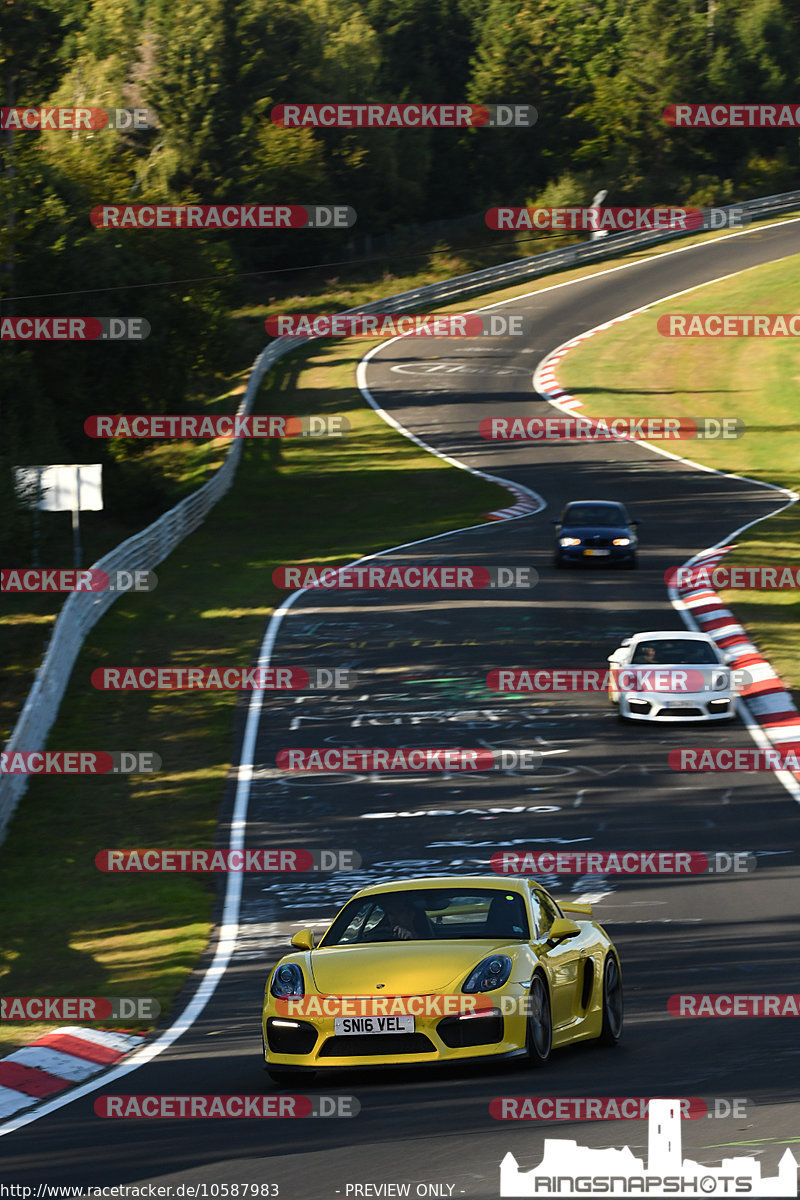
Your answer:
<point x="621" y="542"/>
<point x="568" y="541"/>
<point x="489" y="974"/>
<point x="288" y="981"/>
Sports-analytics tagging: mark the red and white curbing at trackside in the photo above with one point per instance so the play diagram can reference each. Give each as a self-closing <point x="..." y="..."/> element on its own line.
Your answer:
<point x="767" y="699"/>
<point x="56" y="1061"/>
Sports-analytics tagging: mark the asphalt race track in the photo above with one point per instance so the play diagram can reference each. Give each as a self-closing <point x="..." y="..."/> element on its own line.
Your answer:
<point x="422" y="659"/>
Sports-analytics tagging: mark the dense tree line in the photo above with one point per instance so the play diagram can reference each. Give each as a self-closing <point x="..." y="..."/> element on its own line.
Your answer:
<point x="599" y="72"/>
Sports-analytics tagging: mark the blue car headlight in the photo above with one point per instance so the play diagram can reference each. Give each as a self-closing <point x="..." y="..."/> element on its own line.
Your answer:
<point x="287" y="980"/>
<point x="489" y="974"/>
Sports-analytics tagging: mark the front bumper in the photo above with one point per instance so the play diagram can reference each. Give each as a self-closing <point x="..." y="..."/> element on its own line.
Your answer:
<point x="685" y="706"/>
<point x="315" y="1046"/>
<point x="598" y="555"/>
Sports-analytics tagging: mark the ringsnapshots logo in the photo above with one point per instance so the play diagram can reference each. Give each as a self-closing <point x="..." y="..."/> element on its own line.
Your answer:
<point x="399" y="759"/>
<point x="589" y="429"/>
<point x="24" y="579"/>
<point x="404" y="577"/>
<point x="377" y="325"/>
<point x="262" y="1107"/>
<point x="79" y="762"/>
<point x="223" y="216"/>
<point x="732" y="116"/>
<point x="223" y="426"/>
<point x="622" y="862"/>
<point x="186" y="861"/>
<point x="216" y="679"/>
<point x="595" y="219"/>
<point x="79" y="1008"/>
<point x="372" y="115"/>
<point x="75" y="119"/>
<point x="74" y="329"/>
<point x="567" y="1169"/>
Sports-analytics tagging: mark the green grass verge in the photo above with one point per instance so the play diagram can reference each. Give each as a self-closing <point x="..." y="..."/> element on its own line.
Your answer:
<point x="69" y="930"/>
<point x="632" y="370"/>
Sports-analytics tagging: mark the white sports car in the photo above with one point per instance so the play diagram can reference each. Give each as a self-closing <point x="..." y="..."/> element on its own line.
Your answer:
<point x="667" y="675"/>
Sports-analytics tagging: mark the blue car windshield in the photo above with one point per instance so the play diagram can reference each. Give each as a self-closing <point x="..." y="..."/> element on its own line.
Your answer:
<point x="587" y="514"/>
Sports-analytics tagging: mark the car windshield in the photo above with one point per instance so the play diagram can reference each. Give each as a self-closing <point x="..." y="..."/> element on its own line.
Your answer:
<point x="419" y="914"/>
<point x="593" y="514"/>
<point x="677" y="652"/>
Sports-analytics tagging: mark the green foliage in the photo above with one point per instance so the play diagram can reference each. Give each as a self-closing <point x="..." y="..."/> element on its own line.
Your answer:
<point x="599" y="72"/>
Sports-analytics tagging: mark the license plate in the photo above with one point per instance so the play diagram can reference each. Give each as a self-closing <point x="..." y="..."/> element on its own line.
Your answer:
<point x="597" y="553"/>
<point x="372" y="1025"/>
<point x="678" y="704"/>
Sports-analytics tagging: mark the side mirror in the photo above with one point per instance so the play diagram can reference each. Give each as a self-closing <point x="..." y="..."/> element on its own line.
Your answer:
<point x="633" y="521"/>
<point x="626" y="641"/>
<point x="303" y="939"/>
<point x="561" y="929"/>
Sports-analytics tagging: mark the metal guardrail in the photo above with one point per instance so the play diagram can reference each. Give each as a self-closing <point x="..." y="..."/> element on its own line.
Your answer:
<point x="146" y="549"/>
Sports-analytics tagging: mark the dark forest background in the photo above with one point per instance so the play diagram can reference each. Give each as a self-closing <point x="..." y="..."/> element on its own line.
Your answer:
<point x="599" y="74"/>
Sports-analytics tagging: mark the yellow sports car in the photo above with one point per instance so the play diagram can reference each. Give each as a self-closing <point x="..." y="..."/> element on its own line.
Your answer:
<point x="442" y="970"/>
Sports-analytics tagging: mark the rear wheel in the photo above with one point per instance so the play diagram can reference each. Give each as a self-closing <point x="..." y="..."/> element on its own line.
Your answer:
<point x="612" y="1003"/>
<point x="539" y="1038"/>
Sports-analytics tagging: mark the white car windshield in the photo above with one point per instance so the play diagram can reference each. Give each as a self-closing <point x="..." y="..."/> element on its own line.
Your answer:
<point x="677" y="652"/>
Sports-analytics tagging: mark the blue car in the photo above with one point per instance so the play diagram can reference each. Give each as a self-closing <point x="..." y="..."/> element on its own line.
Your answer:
<point x="595" y="531"/>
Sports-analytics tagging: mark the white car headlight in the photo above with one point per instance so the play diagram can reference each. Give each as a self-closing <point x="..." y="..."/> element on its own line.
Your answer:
<point x="568" y="541"/>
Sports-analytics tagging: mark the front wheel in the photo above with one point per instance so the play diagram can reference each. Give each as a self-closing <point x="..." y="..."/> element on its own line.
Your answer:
<point x="612" y="1003"/>
<point x="539" y="1037"/>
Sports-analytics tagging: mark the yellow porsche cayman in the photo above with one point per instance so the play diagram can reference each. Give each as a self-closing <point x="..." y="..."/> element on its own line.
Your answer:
<point x="440" y="970"/>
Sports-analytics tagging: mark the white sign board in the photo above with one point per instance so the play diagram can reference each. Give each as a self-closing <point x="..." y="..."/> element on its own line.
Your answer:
<point x="63" y="488"/>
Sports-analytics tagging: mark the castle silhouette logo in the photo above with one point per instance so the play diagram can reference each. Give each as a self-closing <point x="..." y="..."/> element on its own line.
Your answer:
<point x="568" y="1169"/>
